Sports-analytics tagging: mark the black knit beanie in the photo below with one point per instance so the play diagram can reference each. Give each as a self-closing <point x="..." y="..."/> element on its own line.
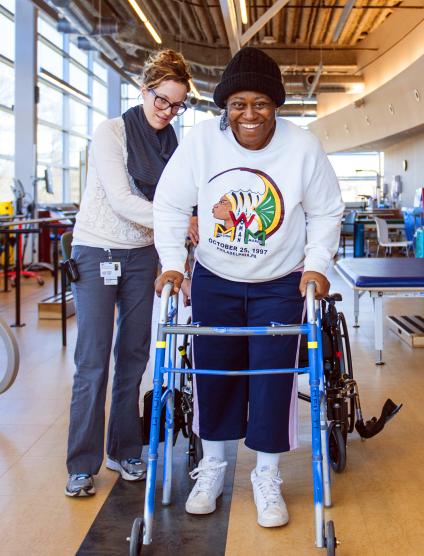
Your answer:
<point x="250" y="70"/>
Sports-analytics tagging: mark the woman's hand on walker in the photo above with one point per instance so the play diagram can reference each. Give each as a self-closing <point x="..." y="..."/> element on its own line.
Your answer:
<point x="321" y="282"/>
<point x="173" y="276"/>
<point x="193" y="230"/>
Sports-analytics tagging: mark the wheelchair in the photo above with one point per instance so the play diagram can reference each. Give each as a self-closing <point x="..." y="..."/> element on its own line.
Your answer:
<point x="344" y="412"/>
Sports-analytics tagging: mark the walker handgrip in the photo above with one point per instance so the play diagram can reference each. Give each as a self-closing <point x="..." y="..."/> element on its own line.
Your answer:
<point x="310" y="301"/>
<point x="164" y="301"/>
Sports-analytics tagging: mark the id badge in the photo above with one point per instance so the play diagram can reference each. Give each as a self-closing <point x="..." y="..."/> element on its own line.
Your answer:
<point x="110" y="271"/>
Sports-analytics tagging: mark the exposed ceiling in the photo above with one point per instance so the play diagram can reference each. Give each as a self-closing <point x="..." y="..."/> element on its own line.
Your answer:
<point x="315" y="42"/>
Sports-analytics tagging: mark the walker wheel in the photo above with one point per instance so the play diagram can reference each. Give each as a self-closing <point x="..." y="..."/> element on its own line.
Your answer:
<point x="330" y="539"/>
<point x="136" y="539"/>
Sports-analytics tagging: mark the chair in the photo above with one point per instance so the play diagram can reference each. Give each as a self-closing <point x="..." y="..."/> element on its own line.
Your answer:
<point x="384" y="240"/>
<point x="347" y="230"/>
<point x="410" y="223"/>
<point x="66" y="246"/>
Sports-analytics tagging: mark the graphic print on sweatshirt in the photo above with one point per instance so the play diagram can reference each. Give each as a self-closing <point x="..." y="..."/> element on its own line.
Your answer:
<point x="247" y="213"/>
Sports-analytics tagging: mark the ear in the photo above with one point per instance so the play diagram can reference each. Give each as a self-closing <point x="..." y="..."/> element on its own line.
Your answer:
<point x="143" y="91"/>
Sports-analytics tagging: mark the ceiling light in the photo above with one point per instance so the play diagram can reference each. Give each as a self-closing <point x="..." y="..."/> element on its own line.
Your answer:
<point x="197" y="95"/>
<point x="300" y="101"/>
<point x="268" y="39"/>
<point x="357" y="88"/>
<point x="243" y="12"/>
<point x="144" y="19"/>
<point x="63" y="85"/>
<point x="343" y="18"/>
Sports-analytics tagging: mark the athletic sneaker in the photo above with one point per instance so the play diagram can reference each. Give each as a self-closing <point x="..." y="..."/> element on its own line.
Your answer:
<point x="209" y="485"/>
<point x="80" y="484"/>
<point x="132" y="469"/>
<point x="272" y="510"/>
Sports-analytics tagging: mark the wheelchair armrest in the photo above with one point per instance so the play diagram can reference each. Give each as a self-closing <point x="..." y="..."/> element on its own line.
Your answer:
<point x="334" y="297"/>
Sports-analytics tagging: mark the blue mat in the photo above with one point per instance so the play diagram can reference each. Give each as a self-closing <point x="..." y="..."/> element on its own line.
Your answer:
<point x="397" y="272"/>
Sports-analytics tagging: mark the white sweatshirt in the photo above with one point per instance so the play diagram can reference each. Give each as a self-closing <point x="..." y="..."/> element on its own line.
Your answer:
<point x="113" y="213"/>
<point x="262" y="214"/>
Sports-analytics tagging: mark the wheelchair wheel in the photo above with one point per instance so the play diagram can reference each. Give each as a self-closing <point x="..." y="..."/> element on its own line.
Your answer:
<point x="336" y="448"/>
<point x="136" y="539"/>
<point x="330" y="539"/>
<point x="347" y="359"/>
<point x="195" y="451"/>
<point x="198" y="449"/>
<point x="345" y="344"/>
<point x="9" y="356"/>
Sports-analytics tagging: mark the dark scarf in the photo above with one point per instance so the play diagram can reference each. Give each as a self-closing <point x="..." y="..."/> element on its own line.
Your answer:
<point x="148" y="150"/>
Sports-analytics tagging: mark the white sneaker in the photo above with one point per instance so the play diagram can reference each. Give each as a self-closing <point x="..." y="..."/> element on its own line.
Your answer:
<point x="209" y="485"/>
<point x="272" y="510"/>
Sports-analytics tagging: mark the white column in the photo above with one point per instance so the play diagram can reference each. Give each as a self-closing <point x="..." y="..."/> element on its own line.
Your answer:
<point x="25" y="92"/>
<point x="113" y="94"/>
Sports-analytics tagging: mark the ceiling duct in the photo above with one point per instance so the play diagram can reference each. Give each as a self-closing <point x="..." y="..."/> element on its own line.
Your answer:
<point x="102" y="28"/>
<point x="82" y="25"/>
<point x="64" y="26"/>
<point x="105" y="27"/>
<point x="84" y="44"/>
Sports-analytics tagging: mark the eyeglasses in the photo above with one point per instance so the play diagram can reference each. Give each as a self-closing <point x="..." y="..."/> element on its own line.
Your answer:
<point x="177" y="108"/>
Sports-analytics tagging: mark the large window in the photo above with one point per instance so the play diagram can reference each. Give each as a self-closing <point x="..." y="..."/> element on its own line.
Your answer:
<point x="130" y="96"/>
<point x="7" y="35"/>
<point x="50" y="58"/>
<point x="67" y="115"/>
<point x="73" y="100"/>
<point x="100" y="95"/>
<point x="78" y="117"/>
<point x="50" y="106"/>
<point x="358" y="174"/>
<point x="7" y="92"/>
<point x="190" y="118"/>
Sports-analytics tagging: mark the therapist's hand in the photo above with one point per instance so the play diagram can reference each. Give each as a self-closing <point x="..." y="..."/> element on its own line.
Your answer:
<point x="173" y="276"/>
<point x="193" y="230"/>
<point x="185" y="288"/>
<point x="322" y="284"/>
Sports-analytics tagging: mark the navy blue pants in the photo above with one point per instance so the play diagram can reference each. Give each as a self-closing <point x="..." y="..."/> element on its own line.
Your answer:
<point x="260" y="408"/>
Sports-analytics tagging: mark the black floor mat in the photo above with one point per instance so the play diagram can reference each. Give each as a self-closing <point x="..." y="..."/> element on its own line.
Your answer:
<point x="174" y="531"/>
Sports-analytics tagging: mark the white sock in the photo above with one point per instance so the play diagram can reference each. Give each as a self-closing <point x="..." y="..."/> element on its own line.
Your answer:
<point x="213" y="449"/>
<point x="265" y="459"/>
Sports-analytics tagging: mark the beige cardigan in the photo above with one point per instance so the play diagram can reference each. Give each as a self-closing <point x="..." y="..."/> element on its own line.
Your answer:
<point x="114" y="214"/>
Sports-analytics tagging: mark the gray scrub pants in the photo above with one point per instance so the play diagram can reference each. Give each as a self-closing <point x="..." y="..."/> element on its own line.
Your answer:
<point x="95" y="308"/>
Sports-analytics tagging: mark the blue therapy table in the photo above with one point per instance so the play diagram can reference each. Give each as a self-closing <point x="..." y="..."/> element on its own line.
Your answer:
<point x="397" y="277"/>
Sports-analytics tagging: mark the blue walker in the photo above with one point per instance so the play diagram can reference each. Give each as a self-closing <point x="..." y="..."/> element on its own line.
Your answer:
<point x="168" y="329"/>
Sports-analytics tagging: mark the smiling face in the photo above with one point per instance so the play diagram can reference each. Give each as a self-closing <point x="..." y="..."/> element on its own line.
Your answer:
<point x="173" y="92"/>
<point x="251" y="116"/>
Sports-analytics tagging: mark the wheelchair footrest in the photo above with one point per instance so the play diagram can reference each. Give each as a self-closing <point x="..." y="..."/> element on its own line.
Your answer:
<point x="374" y="426"/>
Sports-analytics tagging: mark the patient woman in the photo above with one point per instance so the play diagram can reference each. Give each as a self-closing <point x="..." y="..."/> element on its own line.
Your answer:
<point x="275" y="228"/>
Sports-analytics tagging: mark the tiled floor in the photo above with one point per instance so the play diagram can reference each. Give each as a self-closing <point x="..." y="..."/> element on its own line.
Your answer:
<point x="377" y="500"/>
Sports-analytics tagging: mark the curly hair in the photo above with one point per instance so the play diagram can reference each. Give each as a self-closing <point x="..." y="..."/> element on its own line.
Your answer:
<point x="165" y="65"/>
